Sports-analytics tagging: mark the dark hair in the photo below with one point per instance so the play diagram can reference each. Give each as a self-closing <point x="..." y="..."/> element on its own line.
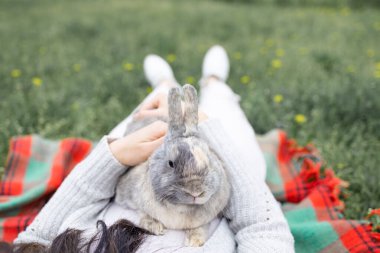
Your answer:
<point x="122" y="236"/>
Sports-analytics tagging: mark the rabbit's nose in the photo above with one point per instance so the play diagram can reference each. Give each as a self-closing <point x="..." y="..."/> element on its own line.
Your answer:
<point x="197" y="194"/>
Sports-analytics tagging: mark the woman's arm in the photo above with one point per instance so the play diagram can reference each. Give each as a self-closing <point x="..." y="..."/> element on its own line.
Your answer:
<point x="92" y="182"/>
<point x="255" y="216"/>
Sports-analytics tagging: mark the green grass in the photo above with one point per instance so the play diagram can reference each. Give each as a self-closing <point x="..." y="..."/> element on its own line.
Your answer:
<point x="79" y="50"/>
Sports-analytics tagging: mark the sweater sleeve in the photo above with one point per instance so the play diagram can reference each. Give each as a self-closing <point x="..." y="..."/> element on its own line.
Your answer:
<point x="255" y="216"/>
<point x="92" y="181"/>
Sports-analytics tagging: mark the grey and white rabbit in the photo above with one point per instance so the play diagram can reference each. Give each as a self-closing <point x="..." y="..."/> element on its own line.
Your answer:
<point x="183" y="185"/>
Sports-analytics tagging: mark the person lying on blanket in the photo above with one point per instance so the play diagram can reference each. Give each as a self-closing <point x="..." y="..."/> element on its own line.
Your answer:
<point x="83" y="216"/>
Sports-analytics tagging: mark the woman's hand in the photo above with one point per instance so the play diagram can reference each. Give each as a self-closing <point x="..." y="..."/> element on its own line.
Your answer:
<point x="136" y="147"/>
<point x="155" y="107"/>
<point x="158" y="107"/>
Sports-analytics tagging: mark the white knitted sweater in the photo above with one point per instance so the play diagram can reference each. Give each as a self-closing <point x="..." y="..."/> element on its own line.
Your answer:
<point x="256" y="222"/>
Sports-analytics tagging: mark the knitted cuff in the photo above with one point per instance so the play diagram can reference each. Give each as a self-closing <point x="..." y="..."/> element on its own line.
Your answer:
<point x="100" y="168"/>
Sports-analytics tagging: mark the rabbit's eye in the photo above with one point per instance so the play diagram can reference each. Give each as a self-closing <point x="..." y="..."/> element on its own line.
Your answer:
<point x="171" y="164"/>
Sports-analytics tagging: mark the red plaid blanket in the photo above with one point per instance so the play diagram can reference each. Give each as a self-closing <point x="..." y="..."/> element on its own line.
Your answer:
<point x="36" y="167"/>
<point x="34" y="170"/>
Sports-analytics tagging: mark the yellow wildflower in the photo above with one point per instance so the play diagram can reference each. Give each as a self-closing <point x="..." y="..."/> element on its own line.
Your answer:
<point x="269" y="72"/>
<point x="370" y="53"/>
<point x="278" y="98"/>
<point x="276" y="63"/>
<point x="190" y="80"/>
<point x="351" y="69"/>
<point x="376" y="26"/>
<point x="42" y="50"/>
<point x="245" y="79"/>
<point x="128" y="66"/>
<point x="76" y="67"/>
<point x="269" y="42"/>
<point x="149" y="89"/>
<point x="280" y="52"/>
<point x="37" y="81"/>
<point x="340" y="165"/>
<point x="75" y="106"/>
<point x="16" y="73"/>
<point x="345" y="11"/>
<point x="303" y="50"/>
<point x="376" y="74"/>
<point x="300" y="118"/>
<point x="300" y="14"/>
<point x="200" y="48"/>
<point x="263" y="50"/>
<point x="171" y="58"/>
<point x="237" y="55"/>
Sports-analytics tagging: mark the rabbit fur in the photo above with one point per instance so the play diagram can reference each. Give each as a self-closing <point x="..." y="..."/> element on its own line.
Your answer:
<point x="183" y="185"/>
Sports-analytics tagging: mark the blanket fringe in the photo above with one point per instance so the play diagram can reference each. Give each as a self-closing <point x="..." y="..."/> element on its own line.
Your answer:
<point x="374" y="222"/>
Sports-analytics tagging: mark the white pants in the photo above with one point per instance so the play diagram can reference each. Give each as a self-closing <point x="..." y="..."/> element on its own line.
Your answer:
<point x="218" y="101"/>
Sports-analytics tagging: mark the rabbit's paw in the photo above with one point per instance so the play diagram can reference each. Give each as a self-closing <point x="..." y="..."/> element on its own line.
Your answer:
<point x="196" y="237"/>
<point x="152" y="225"/>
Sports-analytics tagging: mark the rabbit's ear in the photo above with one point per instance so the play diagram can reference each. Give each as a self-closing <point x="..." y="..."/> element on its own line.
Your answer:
<point x="176" y="126"/>
<point x="191" y="109"/>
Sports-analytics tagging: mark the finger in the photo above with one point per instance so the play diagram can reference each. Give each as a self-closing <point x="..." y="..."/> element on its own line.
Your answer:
<point x="156" y="143"/>
<point x="151" y="104"/>
<point x="153" y="131"/>
<point x="159" y="129"/>
<point x="154" y="103"/>
<point x="148" y="113"/>
<point x="149" y="147"/>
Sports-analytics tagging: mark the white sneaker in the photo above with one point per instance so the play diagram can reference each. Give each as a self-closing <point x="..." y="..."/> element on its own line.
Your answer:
<point x="216" y="63"/>
<point x="157" y="70"/>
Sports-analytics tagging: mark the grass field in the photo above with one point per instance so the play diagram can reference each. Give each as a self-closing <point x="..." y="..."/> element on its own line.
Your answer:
<point x="73" y="68"/>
